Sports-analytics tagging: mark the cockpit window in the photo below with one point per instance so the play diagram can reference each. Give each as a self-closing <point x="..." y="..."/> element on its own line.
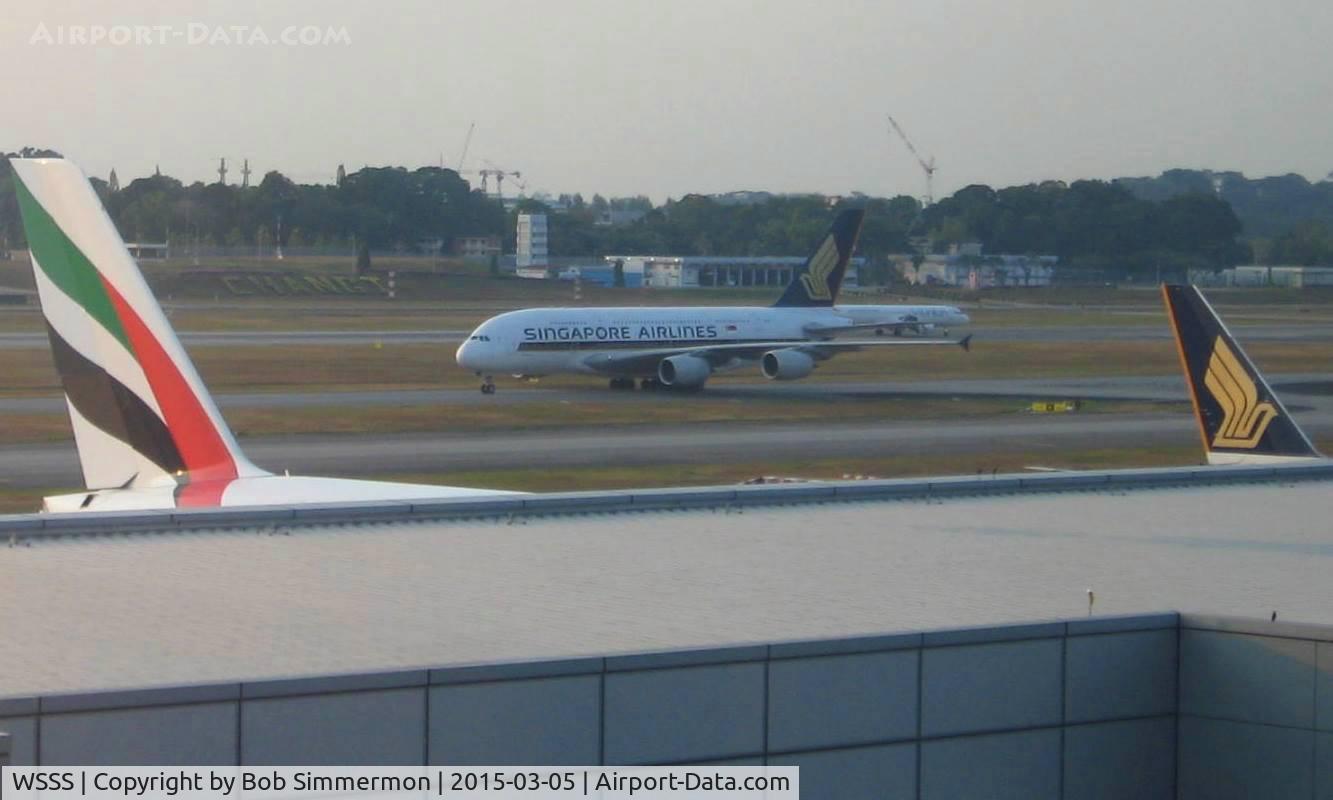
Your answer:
<point x="476" y="338"/>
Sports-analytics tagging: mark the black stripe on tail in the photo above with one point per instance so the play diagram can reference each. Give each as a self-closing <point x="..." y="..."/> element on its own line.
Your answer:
<point x="818" y="280"/>
<point x="1238" y="412"/>
<point x="112" y="407"/>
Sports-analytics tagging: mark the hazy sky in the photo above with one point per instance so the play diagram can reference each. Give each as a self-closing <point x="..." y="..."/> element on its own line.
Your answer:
<point x="666" y="97"/>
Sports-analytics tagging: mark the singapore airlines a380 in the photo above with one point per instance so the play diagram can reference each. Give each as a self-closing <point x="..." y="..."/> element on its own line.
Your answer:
<point x="681" y="347"/>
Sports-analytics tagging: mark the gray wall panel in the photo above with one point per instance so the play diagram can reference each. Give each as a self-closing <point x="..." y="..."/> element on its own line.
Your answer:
<point x="990" y="687"/>
<point x="543" y="721"/>
<point x="22" y="740"/>
<point x="1323" y="766"/>
<point x="860" y="772"/>
<point x="1243" y="677"/>
<point x="682" y="714"/>
<point x="1324" y="688"/>
<point x="841" y="700"/>
<point x="189" y="735"/>
<point x="1233" y="760"/>
<point x="1120" y="675"/>
<point x="371" y="728"/>
<point x="748" y="761"/>
<point x="1113" y="760"/>
<point x="1022" y="766"/>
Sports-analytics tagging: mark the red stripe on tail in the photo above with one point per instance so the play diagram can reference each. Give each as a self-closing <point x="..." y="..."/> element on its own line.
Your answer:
<point x="201" y="495"/>
<point x="206" y="456"/>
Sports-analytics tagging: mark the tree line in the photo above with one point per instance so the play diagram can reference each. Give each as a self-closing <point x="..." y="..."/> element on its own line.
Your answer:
<point x="382" y="207"/>
<point x="1287" y="218"/>
<point x="1134" y="226"/>
<point x="1094" y="224"/>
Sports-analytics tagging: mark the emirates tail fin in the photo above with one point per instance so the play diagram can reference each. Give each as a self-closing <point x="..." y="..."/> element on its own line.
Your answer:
<point x="142" y="418"/>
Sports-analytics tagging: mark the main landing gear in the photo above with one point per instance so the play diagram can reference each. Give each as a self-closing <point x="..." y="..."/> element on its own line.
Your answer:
<point x="622" y="383"/>
<point x="650" y="384"/>
<point x="488" y="385"/>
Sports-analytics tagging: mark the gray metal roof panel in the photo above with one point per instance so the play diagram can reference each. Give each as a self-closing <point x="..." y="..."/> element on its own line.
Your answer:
<point x="214" y="606"/>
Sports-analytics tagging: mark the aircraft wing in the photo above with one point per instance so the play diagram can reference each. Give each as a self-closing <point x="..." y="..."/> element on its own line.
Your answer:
<point x="836" y="330"/>
<point x="902" y="323"/>
<point x="646" y="361"/>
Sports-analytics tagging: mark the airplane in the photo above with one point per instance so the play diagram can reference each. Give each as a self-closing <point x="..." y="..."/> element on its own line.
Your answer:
<point x="148" y="434"/>
<point x="681" y="347"/>
<point x="1241" y="420"/>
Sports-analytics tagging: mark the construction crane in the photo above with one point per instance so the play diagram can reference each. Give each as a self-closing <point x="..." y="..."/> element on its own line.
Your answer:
<point x="489" y="171"/>
<point x="467" y="141"/>
<point x="927" y="166"/>
<point x="499" y="174"/>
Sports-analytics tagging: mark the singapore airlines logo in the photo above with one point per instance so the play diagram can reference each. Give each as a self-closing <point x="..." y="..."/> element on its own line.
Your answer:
<point x="1244" y="418"/>
<point x="815" y="280"/>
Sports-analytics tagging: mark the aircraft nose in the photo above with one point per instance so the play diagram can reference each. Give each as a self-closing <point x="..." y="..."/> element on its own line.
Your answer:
<point x="466" y="355"/>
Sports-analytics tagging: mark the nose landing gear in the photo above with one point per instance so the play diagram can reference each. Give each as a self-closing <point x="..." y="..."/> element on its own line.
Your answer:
<point x="488" y="385"/>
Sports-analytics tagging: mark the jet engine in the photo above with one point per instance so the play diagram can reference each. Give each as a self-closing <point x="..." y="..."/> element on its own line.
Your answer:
<point x="683" y="372"/>
<point x="786" y="365"/>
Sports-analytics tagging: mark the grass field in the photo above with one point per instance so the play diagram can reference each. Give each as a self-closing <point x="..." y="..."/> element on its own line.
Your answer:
<point x="416" y="316"/>
<point x="634" y="411"/>
<point x="546" y="480"/>
<point x="454" y="295"/>
<point x="29" y="371"/>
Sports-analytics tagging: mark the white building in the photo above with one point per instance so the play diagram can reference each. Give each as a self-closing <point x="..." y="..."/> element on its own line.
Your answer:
<point x="532" y="250"/>
<point x="965" y="266"/>
<point x="477" y="246"/>
<point x="1289" y="277"/>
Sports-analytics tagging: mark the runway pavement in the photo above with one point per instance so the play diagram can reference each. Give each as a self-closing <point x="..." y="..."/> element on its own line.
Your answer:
<point x="56" y="464"/>
<point x="1163" y="388"/>
<point x="971" y="439"/>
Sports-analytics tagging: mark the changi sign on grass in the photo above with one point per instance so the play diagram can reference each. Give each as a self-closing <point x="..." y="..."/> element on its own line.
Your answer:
<point x="283" y="284"/>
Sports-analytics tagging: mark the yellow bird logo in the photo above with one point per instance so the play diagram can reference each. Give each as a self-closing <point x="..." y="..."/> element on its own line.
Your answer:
<point x="1244" y="417"/>
<point x="822" y="264"/>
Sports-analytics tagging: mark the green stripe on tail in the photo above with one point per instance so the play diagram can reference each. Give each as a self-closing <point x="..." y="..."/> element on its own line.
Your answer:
<point x="67" y="267"/>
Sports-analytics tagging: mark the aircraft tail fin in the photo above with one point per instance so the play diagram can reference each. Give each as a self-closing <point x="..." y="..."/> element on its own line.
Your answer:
<point x="141" y="415"/>
<point x="816" y="283"/>
<point x="1240" y="418"/>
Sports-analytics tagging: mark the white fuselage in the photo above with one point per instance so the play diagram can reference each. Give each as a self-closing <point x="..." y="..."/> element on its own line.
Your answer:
<point x="547" y="341"/>
<point x="268" y="490"/>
